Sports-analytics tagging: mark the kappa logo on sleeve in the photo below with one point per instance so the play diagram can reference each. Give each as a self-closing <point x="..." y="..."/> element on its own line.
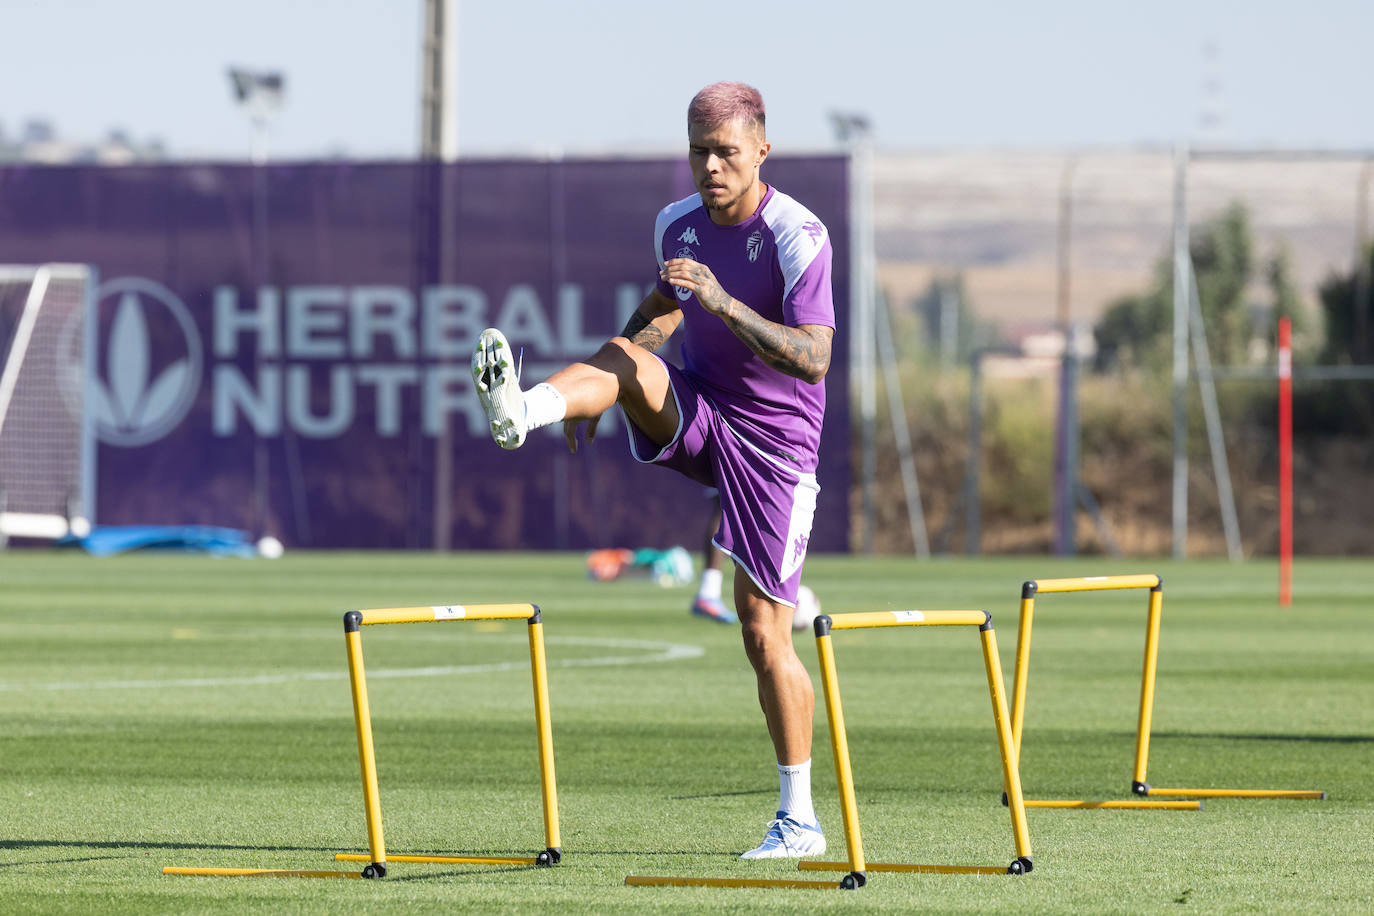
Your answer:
<point x="815" y="230"/>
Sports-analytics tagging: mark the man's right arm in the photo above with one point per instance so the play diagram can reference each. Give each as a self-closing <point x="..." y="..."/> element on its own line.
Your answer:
<point x="653" y="322"/>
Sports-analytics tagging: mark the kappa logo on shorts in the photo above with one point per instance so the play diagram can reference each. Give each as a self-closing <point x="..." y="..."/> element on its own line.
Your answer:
<point x="689" y="236"/>
<point x="799" y="547"/>
<point x="754" y="245"/>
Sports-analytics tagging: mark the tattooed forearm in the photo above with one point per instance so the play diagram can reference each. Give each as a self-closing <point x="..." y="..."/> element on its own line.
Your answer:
<point x="642" y="331"/>
<point x="802" y="352"/>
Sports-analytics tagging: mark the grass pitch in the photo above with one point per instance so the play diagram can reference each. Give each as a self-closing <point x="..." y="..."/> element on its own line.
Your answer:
<point x="175" y="710"/>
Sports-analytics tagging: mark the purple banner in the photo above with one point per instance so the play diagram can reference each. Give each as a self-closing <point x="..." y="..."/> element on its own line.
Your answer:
<point x="281" y="349"/>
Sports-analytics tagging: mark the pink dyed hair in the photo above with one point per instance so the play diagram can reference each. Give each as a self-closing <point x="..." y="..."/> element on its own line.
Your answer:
<point x="721" y="103"/>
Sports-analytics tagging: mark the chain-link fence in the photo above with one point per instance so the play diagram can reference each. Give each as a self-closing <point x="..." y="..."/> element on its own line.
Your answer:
<point x="998" y="258"/>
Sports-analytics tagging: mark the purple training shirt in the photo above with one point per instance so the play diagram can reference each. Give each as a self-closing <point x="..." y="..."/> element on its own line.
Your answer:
<point x="777" y="262"/>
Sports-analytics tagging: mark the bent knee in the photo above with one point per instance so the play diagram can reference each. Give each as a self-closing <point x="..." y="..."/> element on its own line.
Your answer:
<point x="764" y="642"/>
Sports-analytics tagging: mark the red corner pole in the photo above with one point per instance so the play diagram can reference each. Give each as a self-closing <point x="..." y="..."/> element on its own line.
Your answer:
<point x="1285" y="464"/>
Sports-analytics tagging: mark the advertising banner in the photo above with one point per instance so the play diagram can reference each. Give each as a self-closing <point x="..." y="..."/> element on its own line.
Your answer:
<point x="285" y="348"/>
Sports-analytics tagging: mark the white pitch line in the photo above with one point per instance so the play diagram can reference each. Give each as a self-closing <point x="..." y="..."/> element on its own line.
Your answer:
<point x="662" y="652"/>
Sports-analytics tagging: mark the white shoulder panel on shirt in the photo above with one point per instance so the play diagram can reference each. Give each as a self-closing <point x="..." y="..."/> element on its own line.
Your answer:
<point x="669" y="215"/>
<point x="800" y="236"/>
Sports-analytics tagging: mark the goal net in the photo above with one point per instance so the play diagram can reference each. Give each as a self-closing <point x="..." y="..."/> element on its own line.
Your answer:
<point x="47" y="441"/>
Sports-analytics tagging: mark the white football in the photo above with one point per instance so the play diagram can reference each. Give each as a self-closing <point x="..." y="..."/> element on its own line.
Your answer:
<point x="808" y="606"/>
<point x="270" y="548"/>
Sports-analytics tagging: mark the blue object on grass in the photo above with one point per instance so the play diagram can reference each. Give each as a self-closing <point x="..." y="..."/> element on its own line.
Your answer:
<point x="104" y="541"/>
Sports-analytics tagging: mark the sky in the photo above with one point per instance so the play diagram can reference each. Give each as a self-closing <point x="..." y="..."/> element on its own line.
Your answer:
<point x="547" y="77"/>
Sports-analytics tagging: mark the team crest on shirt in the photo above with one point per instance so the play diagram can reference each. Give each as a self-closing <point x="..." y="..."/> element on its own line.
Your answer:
<point x="689" y="236"/>
<point x="682" y="292"/>
<point x="754" y="245"/>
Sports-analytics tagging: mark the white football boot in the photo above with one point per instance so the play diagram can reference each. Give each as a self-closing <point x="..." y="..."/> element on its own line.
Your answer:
<point x="498" y="388"/>
<point x="788" y="839"/>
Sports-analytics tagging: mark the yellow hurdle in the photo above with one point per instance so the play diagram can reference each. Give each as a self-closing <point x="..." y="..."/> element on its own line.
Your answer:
<point x="376" y="856"/>
<point x="362" y="717"/>
<point x="1139" y="786"/>
<point x="855" y="866"/>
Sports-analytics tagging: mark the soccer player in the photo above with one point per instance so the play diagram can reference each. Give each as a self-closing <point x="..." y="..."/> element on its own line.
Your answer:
<point x="707" y="603"/>
<point x="744" y="270"/>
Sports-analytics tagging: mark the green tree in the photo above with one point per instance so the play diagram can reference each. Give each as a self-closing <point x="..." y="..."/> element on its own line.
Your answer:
<point x="1348" y="326"/>
<point x="1136" y="330"/>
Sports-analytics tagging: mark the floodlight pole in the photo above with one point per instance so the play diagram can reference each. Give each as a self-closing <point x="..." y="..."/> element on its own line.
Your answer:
<point x="439" y="82"/>
<point x="1360" y="350"/>
<point x="439" y="144"/>
<point x="854" y="130"/>
<point x="259" y="94"/>
<point x="1180" y="372"/>
<point x="1066" y="439"/>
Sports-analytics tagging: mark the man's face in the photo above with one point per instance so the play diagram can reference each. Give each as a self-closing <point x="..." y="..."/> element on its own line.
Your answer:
<point x="725" y="162"/>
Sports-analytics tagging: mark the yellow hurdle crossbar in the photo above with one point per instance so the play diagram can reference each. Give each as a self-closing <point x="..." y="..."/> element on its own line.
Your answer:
<point x="1139" y="786"/>
<point x="362" y="716"/>
<point x="445" y="612"/>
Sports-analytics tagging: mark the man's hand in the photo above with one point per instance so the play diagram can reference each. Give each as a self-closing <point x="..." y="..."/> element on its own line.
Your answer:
<point x="570" y="431"/>
<point x="697" y="277"/>
<point x="802" y="352"/>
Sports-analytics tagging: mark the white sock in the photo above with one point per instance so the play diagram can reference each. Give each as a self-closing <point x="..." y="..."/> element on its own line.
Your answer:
<point x="710" y="584"/>
<point x="544" y="405"/>
<point x="794" y="796"/>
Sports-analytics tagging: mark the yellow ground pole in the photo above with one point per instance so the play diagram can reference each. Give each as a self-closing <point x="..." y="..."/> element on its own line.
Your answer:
<point x="657" y="881"/>
<point x="1114" y="803"/>
<point x="1144" y="725"/>
<point x="856" y="865"/>
<point x="441" y="860"/>
<point x="353" y="622"/>
<point x="1314" y="794"/>
<point x="257" y="873"/>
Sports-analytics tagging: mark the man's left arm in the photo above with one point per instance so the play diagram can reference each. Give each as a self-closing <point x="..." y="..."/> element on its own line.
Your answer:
<point x="802" y="352"/>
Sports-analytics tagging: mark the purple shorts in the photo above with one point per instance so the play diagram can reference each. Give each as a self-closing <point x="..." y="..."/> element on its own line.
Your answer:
<point x="766" y="505"/>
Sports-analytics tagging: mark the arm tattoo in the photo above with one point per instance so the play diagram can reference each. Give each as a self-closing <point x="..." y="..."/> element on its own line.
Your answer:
<point x="715" y="299"/>
<point x="802" y="353"/>
<point x="641" y="331"/>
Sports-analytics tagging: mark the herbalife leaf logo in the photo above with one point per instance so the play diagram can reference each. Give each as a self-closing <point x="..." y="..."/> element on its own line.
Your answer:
<point x="152" y="363"/>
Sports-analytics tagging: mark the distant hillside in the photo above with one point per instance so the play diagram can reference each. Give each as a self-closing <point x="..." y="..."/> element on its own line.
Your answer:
<point x="994" y="216"/>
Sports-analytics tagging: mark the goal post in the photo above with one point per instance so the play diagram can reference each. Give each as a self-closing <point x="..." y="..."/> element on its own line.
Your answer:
<point x="47" y="431"/>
